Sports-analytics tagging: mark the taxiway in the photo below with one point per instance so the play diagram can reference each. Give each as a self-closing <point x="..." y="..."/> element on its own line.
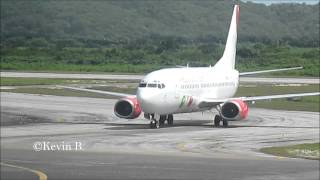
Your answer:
<point x="114" y="148"/>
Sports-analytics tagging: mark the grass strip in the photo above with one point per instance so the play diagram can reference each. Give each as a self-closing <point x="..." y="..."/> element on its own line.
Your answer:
<point x="307" y="151"/>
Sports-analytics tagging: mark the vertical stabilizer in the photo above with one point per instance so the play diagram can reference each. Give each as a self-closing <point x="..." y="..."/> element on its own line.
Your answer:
<point x="227" y="61"/>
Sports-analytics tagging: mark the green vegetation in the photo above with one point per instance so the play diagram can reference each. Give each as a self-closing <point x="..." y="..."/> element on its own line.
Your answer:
<point x="5" y="81"/>
<point x="303" y="104"/>
<point x="252" y="89"/>
<point x="142" y="36"/>
<point x="308" y="151"/>
<point x="57" y="92"/>
<point x="45" y="23"/>
<point x="11" y="81"/>
<point x="67" y="92"/>
<point x="141" y="59"/>
<point x="311" y="103"/>
<point x="51" y="90"/>
<point x="127" y="90"/>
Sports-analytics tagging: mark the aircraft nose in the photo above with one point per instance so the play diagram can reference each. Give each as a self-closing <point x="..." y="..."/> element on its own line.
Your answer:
<point x="145" y="99"/>
<point x="143" y="96"/>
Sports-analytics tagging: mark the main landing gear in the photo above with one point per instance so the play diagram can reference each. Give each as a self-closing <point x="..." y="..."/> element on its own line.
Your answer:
<point x="154" y="124"/>
<point x="158" y="121"/>
<point x="218" y="119"/>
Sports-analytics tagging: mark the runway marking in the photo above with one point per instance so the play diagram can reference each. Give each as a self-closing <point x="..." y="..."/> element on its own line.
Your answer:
<point x="42" y="176"/>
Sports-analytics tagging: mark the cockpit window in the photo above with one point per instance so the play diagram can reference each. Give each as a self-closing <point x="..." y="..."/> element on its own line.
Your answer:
<point x="161" y="86"/>
<point x="152" y="85"/>
<point x="142" y="84"/>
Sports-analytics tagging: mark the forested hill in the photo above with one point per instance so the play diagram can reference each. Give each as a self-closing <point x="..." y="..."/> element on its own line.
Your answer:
<point x="122" y="21"/>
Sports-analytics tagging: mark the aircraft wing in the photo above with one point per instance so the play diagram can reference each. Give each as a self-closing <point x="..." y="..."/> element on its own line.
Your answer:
<point x="256" y="98"/>
<point x="271" y="70"/>
<point x="98" y="91"/>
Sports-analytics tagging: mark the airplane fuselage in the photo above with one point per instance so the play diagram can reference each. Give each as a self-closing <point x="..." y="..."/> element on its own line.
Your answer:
<point x="180" y="90"/>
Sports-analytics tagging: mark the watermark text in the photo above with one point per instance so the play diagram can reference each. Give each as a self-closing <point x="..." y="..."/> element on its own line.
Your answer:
<point x="57" y="146"/>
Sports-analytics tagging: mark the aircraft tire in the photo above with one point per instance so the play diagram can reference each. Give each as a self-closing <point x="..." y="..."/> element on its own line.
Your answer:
<point x="162" y="120"/>
<point x="170" y="119"/>
<point x="157" y="125"/>
<point x="217" y="120"/>
<point x="154" y="124"/>
<point x="225" y="123"/>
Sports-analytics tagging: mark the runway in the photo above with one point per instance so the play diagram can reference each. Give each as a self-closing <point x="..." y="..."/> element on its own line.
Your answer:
<point x="114" y="148"/>
<point x="139" y="77"/>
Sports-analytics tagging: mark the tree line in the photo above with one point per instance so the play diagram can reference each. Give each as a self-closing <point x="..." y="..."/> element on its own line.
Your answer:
<point x="105" y="23"/>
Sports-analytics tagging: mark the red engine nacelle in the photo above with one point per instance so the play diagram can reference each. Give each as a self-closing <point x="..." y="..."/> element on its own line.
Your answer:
<point x="234" y="110"/>
<point x="128" y="108"/>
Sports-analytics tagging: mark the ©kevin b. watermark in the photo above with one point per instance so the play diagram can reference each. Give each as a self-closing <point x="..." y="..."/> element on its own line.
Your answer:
<point x="57" y="146"/>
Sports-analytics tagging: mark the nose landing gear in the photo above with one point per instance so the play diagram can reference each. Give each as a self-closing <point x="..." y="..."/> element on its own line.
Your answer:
<point x="154" y="124"/>
<point x="158" y="121"/>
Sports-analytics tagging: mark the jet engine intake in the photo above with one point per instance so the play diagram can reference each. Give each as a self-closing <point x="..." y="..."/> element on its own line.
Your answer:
<point x="127" y="108"/>
<point x="234" y="110"/>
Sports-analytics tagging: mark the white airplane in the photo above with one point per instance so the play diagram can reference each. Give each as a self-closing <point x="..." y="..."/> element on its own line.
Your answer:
<point x="165" y="92"/>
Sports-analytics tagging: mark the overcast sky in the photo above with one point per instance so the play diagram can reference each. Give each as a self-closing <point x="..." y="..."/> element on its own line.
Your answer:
<point x="268" y="2"/>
